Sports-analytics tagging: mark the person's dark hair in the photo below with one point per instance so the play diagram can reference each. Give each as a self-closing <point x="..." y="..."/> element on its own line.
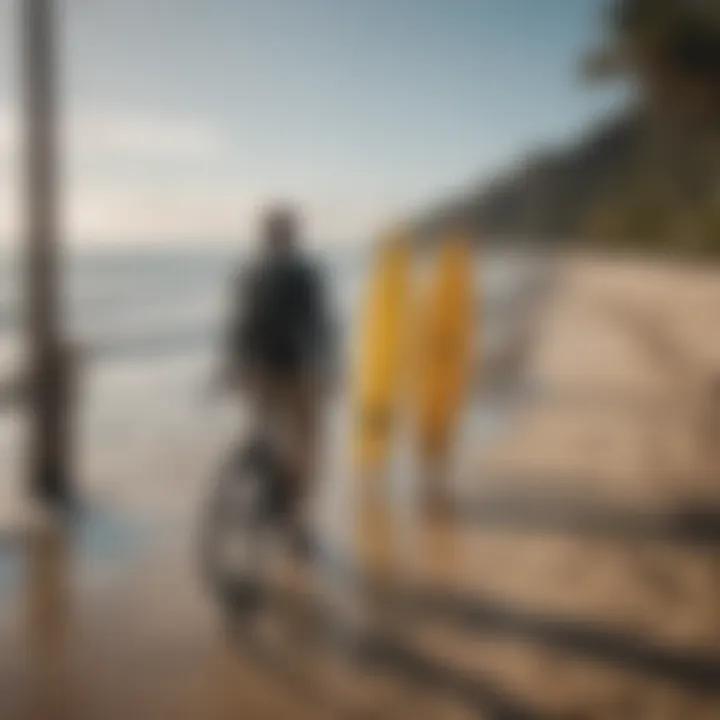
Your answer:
<point x="280" y="227"/>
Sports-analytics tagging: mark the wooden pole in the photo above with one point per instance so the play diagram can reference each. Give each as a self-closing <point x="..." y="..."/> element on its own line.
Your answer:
<point x="48" y="387"/>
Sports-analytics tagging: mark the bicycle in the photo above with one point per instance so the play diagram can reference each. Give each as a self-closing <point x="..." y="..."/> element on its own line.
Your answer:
<point x="248" y="514"/>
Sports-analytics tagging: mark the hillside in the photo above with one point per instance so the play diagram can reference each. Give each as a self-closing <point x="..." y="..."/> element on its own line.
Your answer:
<point x="627" y="181"/>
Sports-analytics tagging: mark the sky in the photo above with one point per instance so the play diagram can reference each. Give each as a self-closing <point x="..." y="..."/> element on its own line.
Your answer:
<point x="182" y="117"/>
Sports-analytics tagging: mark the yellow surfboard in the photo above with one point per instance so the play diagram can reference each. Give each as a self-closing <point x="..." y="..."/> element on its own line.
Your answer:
<point x="382" y="352"/>
<point x="444" y="353"/>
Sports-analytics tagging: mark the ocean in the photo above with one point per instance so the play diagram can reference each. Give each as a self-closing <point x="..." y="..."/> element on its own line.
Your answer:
<point x="150" y="322"/>
<point x="159" y="302"/>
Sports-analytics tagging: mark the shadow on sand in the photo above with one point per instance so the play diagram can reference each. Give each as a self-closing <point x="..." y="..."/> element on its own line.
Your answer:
<point x="581" y="637"/>
<point x="380" y="649"/>
<point x="376" y="653"/>
<point x="696" y="524"/>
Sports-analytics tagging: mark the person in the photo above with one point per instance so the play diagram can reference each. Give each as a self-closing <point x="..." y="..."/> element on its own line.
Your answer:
<point x="279" y="341"/>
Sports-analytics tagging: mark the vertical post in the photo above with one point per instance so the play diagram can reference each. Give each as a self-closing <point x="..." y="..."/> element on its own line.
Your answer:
<point x="48" y="472"/>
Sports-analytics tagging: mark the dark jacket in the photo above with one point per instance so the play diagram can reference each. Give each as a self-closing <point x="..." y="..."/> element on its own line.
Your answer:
<point x="281" y="321"/>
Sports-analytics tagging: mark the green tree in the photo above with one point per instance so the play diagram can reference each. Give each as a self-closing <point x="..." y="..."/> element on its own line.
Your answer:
<point x="672" y="47"/>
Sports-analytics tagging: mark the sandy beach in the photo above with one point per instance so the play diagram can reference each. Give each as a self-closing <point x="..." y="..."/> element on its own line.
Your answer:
<point x="574" y="574"/>
<point x="599" y="510"/>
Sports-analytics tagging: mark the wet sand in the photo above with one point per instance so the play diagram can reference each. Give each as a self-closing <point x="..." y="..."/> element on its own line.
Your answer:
<point x="574" y="573"/>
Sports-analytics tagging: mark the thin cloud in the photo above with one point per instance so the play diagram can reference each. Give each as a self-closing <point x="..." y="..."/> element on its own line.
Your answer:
<point x="130" y="135"/>
<point x="144" y="136"/>
<point x="130" y="212"/>
<point x="184" y="189"/>
<point x="99" y="203"/>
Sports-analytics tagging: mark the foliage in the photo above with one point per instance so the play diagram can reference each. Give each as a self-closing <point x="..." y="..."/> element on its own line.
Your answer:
<point x="672" y="47"/>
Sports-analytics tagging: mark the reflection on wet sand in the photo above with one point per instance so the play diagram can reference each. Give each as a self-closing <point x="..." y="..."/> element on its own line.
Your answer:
<point x="48" y="625"/>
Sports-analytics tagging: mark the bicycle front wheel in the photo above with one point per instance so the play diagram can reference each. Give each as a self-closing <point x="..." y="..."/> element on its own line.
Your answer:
<point x="237" y="531"/>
